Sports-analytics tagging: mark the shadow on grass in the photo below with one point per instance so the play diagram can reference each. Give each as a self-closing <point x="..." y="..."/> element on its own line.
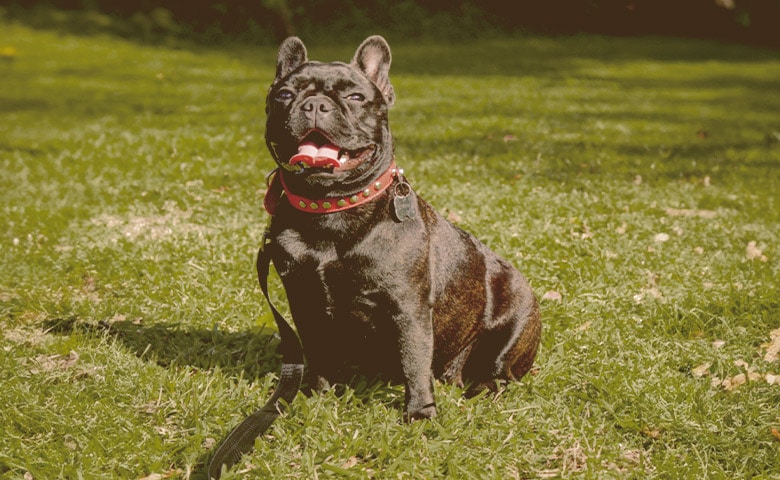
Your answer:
<point x="253" y="353"/>
<point x="173" y="345"/>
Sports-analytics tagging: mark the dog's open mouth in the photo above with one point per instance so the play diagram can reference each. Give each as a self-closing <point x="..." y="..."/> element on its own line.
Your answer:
<point x="317" y="151"/>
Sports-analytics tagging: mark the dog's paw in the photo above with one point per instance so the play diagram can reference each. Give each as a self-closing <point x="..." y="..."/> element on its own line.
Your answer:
<point x="426" y="411"/>
<point x="321" y="385"/>
<point x="315" y="384"/>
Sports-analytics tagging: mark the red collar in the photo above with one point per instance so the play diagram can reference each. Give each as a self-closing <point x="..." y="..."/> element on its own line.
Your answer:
<point x="276" y="187"/>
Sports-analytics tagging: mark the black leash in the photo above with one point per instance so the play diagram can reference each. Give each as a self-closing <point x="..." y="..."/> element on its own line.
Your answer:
<point x="242" y="439"/>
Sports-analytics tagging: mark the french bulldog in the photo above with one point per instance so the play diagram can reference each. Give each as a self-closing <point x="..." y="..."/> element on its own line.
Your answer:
<point x="379" y="284"/>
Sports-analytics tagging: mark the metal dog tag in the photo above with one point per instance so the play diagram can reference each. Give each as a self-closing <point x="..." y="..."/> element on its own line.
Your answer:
<point x="404" y="205"/>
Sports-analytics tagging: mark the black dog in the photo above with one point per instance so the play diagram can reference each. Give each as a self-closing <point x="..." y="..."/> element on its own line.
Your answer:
<point x="379" y="284"/>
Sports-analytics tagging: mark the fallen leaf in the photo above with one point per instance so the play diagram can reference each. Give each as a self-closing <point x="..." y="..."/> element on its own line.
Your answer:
<point x="698" y="250"/>
<point x="731" y="384"/>
<point x="655" y="293"/>
<point x="653" y="433"/>
<point x="553" y="296"/>
<point x="152" y="476"/>
<point x="586" y="233"/>
<point x="772" y="379"/>
<point x="718" y="344"/>
<point x="8" y="53"/>
<point x="753" y="251"/>
<point x="776" y="434"/>
<point x="453" y="217"/>
<point x="716" y="382"/>
<point x="661" y="237"/>
<point x="585" y="326"/>
<point x="701" y="370"/>
<point x="351" y="462"/>
<point x="638" y="180"/>
<point x="773" y="347"/>
<point x="633" y="456"/>
<point x="742" y="363"/>
<point x="510" y="138"/>
<point x="621" y="229"/>
<point x="70" y="442"/>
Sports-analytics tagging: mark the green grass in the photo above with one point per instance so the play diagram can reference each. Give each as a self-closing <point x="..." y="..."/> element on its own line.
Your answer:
<point x="629" y="175"/>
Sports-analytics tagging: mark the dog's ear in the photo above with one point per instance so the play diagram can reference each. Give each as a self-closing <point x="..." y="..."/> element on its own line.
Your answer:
<point x="292" y="54"/>
<point x="373" y="58"/>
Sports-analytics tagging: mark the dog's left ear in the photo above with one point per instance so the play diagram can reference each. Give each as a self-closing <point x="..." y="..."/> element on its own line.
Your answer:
<point x="373" y="58"/>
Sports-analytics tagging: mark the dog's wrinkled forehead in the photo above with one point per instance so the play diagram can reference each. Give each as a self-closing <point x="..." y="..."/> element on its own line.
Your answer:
<point x="325" y="77"/>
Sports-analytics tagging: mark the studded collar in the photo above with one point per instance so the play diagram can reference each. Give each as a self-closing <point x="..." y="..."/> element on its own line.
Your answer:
<point x="278" y="188"/>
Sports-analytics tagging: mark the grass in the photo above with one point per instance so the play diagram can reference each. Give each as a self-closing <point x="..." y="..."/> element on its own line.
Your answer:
<point x="630" y="176"/>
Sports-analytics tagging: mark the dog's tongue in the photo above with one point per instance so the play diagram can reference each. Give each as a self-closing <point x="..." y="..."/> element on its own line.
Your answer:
<point x="311" y="155"/>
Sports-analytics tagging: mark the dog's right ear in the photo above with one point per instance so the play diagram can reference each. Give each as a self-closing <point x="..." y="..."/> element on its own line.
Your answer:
<point x="292" y="54"/>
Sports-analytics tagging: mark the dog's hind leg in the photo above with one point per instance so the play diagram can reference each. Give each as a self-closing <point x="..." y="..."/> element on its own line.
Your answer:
<point x="520" y="358"/>
<point x="506" y="350"/>
<point x="486" y="366"/>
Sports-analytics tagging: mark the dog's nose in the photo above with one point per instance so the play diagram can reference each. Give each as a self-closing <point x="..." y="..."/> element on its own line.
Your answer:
<point x="316" y="106"/>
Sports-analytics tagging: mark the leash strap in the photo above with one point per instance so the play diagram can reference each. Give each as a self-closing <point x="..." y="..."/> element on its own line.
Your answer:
<point x="242" y="439"/>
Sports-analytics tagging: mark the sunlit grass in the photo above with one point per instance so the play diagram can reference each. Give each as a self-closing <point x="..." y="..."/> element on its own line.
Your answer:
<point x="627" y="175"/>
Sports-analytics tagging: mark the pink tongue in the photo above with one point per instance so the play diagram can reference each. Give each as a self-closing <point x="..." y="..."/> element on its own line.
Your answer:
<point x="312" y="156"/>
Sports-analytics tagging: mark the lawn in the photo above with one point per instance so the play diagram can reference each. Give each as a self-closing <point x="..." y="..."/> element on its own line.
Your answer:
<point x="633" y="180"/>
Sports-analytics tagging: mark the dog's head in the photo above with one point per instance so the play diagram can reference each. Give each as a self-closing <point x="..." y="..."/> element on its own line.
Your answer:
<point x="327" y="122"/>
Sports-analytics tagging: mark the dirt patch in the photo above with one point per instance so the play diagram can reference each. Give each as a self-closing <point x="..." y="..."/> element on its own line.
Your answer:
<point x="173" y="222"/>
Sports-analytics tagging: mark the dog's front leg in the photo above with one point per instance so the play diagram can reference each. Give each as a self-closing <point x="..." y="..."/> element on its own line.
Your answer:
<point x="415" y="342"/>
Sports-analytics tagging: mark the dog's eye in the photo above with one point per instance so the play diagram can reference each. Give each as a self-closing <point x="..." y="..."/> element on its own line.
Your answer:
<point x="284" y="95"/>
<point x="356" y="97"/>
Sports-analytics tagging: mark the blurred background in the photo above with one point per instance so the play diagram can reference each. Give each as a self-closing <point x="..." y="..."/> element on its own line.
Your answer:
<point x="268" y="21"/>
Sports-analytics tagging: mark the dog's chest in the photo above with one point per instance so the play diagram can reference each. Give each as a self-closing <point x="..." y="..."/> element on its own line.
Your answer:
<point x="346" y="289"/>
